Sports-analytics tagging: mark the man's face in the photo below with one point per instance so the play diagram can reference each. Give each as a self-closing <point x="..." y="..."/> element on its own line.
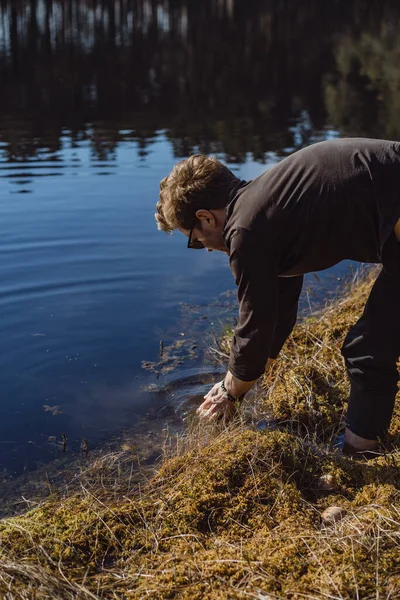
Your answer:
<point x="208" y="230"/>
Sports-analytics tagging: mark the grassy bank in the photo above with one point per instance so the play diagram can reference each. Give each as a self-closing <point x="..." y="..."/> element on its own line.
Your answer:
<point x="232" y="512"/>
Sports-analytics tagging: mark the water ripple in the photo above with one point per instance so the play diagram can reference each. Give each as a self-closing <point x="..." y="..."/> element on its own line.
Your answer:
<point x="55" y="288"/>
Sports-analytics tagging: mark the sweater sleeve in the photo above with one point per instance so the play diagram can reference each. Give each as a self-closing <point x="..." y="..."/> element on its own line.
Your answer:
<point x="267" y="305"/>
<point x="289" y="289"/>
<point x="254" y="269"/>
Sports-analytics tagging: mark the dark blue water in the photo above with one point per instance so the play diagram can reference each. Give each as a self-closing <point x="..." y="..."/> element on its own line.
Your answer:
<point x="88" y="288"/>
<point x="97" y="104"/>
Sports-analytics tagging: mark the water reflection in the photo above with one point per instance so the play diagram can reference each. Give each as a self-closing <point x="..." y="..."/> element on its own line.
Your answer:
<point x="220" y="76"/>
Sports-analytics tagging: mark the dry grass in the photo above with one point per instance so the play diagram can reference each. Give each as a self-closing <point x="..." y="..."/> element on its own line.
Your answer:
<point x="232" y="512"/>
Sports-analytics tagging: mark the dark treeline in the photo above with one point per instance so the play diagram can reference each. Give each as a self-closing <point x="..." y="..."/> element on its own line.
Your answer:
<point x="218" y="75"/>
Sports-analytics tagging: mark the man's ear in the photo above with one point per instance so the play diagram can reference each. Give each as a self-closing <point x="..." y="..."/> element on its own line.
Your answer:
<point x="205" y="216"/>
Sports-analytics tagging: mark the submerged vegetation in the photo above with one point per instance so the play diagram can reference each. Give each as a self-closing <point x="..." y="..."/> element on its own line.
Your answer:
<point x="232" y="512"/>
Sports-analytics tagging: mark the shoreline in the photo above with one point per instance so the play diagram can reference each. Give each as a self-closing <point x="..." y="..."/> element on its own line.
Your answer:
<point x="231" y="512"/>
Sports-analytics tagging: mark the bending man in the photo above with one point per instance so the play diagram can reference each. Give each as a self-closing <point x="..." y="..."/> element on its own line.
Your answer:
<point x="331" y="201"/>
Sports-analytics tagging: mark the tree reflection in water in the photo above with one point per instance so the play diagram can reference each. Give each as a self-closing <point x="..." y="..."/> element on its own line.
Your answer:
<point x="222" y="76"/>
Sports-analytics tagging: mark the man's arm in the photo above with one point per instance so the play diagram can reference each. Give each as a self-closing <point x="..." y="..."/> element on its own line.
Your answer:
<point x="236" y="387"/>
<point x="289" y="289"/>
<point x="254" y="266"/>
<point x="288" y="302"/>
<point x="267" y="311"/>
<point x="217" y="404"/>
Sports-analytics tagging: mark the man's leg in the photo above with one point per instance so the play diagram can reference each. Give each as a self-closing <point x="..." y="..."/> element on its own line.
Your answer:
<point x="371" y="350"/>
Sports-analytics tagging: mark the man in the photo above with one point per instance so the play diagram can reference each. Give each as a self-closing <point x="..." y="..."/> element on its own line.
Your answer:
<point x="334" y="200"/>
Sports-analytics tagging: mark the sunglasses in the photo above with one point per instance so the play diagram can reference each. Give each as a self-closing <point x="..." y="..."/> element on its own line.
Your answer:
<point x="194" y="244"/>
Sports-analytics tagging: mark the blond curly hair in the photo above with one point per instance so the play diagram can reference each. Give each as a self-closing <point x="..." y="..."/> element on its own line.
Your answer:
<point x="196" y="182"/>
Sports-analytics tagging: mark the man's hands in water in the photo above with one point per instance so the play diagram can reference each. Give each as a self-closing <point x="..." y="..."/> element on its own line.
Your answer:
<point x="216" y="405"/>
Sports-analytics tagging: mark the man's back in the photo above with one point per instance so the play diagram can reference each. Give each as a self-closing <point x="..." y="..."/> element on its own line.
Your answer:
<point x="334" y="200"/>
<point x="330" y="201"/>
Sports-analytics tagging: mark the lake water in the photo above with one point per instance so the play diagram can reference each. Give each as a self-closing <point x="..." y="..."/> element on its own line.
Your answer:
<point x="97" y="102"/>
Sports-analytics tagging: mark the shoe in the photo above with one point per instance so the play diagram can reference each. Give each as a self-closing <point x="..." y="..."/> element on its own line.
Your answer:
<point x="347" y="449"/>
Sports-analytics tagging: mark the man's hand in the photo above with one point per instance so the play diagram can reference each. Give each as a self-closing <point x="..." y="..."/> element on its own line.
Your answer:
<point x="216" y="405"/>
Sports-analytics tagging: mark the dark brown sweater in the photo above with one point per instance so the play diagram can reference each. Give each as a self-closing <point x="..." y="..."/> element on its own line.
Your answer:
<point x="331" y="201"/>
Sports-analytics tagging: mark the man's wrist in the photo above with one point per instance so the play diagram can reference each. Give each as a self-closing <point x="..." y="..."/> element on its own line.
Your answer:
<point x="230" y="397"/>
<point x="235" y="386"/>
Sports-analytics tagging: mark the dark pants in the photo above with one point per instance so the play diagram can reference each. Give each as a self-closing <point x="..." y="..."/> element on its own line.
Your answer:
<point x="371" y="350"/>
